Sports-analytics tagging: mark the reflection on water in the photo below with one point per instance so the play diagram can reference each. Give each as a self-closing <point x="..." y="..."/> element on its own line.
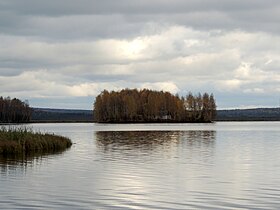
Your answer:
<point x="152" y="139"/>
<point x="154" y="166"/>
<point x="20" y="163"/>
<point x="136" y="147"/>
<point x="140" y="165"/>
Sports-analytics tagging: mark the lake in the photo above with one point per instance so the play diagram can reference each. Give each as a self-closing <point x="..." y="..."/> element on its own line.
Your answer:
<point x="224" y="165"/>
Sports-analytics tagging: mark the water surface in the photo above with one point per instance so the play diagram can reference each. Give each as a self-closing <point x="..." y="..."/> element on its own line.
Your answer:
<point x="226" y="165"/>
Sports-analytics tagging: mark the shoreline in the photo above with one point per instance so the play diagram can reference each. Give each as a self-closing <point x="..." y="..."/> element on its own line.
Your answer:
<point x="23" y="141"/>
<point x="72" y="122"/>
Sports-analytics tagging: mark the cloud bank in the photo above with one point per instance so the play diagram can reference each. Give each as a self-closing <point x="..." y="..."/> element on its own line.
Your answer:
<point x="63" y="54"/>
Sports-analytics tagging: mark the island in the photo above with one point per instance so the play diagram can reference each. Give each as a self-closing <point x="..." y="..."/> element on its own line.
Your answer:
<point x="141" y="106"/>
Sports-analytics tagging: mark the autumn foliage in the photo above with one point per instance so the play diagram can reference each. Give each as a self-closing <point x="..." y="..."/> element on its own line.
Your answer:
<point x="132" y="105"/>
<point x="14" y="111"/>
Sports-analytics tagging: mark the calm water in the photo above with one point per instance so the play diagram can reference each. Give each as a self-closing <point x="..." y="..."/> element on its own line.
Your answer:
<point x="152" y="166"/>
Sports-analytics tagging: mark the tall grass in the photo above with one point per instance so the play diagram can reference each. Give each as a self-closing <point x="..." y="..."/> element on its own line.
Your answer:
<point x="17" y="141"/>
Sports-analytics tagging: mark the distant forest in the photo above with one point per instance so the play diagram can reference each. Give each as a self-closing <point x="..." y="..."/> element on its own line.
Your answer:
<point x="61" y="115"/>
<point x="14" y="110"/>
<point x="69" y="115"/>
<point x="132" y="105"/>
<point x="259" y="114"/>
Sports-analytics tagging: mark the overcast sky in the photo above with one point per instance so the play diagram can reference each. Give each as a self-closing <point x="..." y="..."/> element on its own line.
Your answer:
<point x="61" y="54"/>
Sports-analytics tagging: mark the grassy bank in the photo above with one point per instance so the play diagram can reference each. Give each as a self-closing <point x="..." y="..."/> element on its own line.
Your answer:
<point x="23" y="141"/>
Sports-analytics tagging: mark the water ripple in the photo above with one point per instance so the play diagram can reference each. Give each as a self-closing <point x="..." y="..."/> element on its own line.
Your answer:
<point x="178" y="166"/>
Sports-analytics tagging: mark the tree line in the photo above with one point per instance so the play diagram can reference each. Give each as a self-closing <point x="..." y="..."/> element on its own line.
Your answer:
<point x="14" y="110"/>
<point x="132" y="105"/>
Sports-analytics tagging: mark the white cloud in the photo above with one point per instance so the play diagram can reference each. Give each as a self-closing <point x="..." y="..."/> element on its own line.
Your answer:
<point x="229" y="85"/>
<point x="174" y="58"/>
<point x="165" y="86"/>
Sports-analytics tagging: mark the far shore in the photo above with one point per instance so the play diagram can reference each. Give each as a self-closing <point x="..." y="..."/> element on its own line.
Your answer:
<point x="86" y="121"/>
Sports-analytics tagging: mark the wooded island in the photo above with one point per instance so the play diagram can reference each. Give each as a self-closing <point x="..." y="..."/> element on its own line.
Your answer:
<point x="14" y="110"/>
<point x="133" y="105"/>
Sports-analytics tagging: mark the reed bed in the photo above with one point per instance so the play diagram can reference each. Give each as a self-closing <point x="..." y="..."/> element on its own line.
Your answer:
<point x="24" y="141"/>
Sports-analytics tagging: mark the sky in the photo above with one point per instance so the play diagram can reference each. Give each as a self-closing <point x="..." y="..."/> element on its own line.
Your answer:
<point x="62" y="54"/>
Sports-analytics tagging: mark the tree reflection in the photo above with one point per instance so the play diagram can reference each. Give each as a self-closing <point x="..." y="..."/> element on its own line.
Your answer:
<point x="205" y="138"/>
<point x="19" y="163"/>
<point x="149" y="140"/>
<point x="134" y="139"/>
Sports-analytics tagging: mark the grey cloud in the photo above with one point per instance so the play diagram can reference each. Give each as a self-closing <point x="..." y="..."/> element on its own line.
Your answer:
<point x="71" y="27"/>
<point x="66" y="7"/>
<point x="74" y="49"/>
<point x="88" y="19"/>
